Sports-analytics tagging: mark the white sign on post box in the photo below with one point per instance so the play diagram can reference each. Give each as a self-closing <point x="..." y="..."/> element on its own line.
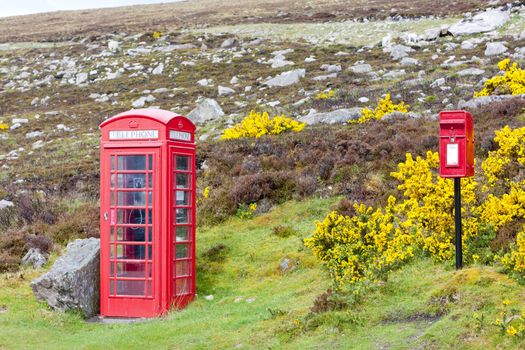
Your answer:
<point x="452" y="154"/>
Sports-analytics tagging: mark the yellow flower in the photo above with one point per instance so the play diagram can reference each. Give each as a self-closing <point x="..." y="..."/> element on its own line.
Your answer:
<point x="257" y="125"/>
<point x="385" y="106"/>
<point x="512" y="82"/>
<point x="206" y="192"/>
<point x="253" y="207"/>
<point x="157" y="35"/>
<point x="4" y="126"/>
<point x="505" y="302"/>
<point x="511" y="331"/>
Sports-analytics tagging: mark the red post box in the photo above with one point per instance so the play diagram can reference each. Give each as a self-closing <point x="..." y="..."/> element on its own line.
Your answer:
<point x="456" y="144"/>
<point x="147" y="213"/>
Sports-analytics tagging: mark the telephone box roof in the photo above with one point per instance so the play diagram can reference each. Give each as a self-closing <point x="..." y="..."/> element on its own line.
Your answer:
<point x="159" y="115"/>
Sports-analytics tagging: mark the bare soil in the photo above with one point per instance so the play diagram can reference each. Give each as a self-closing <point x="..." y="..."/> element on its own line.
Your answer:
<point x="64" y="25"/>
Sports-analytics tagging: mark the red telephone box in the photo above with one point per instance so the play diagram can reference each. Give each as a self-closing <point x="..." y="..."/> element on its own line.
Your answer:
<point x="147" y="213"/>
<point x="456" y="144"/>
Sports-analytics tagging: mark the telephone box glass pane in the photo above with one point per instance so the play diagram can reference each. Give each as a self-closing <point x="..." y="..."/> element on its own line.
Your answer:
<point x="131" y="234"/>
<point x="181" y="215"/>
<point x="182" y="251"/>
<point x="131" y="252"/>
<point x="132" y="163"/>
<point x="132" y="199"/>
<point x="150" y="162"/>
<point x="182" y="286"/>
<point x="132" y="216"/>
<point x="182" y="198"/>
<point x="131" y="269"/>
<point x="130" y="287"/>
<point x="183" y="163"/>
<point x="131" y="180"/>
<point x="183" y="180"/>
<point x="181" y="233"/>
<point x="182" y="268"/>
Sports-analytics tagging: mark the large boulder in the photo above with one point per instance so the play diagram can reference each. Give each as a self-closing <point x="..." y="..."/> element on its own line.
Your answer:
<point x="206" y="109"/>
<point x="333" y="117"/>
<point x="73" y="281"/>
<point x="35" y="258"/>
<point x="486" y="100"/>
<point x="286" y="78"/>
<point x="483" y="22"/>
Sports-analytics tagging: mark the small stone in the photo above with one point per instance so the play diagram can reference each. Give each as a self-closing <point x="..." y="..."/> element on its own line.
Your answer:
<point x="471" y="71"/>
<point x="113" y="45"/>
<point x="5" y="204"/>
<point x="34" y="134"/>
<point x="331" y="68"/>
<point x="35" y="258"/>
<point x="81" y="78"/>
<point x="438" y="82"/>
<point x="225" y="91"/>
<point x="250" y="300"/>
<point x="234" y="80"/>
<point x="228" y="43"/>
<point x="494" y="49"/>
<point x="362" y="68"/>
<point x="407" y="61"/>
<point x="204" y="82"/>
<point x="363" y="99"/>
<point x="206" y="110"/>
<point x="309" y="59"/>
<point x="209" y="297"/>
<point x="141" y="101"/>
<point x="158" y="70"/>
<point x="286" y="78"/>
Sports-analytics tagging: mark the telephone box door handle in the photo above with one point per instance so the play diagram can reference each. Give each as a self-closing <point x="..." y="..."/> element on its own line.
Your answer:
<point x="106" y="216"/>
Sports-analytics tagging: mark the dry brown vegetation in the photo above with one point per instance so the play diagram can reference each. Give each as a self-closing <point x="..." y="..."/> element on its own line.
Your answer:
<point x="58" y="26"/>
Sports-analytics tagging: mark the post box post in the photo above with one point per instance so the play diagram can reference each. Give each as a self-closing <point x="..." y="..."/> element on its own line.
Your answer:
<point x="456" y="160"/>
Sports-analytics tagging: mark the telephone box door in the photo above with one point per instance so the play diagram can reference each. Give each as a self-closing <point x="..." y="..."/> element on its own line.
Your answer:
<point x="130" y="232"/>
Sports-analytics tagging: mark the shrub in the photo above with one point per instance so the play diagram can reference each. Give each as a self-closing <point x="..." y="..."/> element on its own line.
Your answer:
<point x="4" y="126"/>
<point x="385" y="106"/>
<point x="325" y="95"/>
<point x="257" y="125"/>
<point x="284" y="231"/>
<point x="12" y="249"/>
<point x="512" y="82"/>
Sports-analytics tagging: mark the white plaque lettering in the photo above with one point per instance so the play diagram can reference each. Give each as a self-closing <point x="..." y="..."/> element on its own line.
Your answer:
<point x="133" y="134"/>
<point x="452" y="154"/>
<point x="180" y="135"/>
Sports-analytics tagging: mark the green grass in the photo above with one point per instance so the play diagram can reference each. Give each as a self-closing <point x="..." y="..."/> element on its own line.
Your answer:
<point x="422" y="306"/>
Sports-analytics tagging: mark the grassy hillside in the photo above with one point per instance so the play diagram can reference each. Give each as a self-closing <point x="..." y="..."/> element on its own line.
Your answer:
<point x="257" y="306"/>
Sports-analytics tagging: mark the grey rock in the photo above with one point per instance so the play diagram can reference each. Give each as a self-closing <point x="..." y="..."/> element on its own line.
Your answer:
<point x="280" y="61"/>
<point x="325" y="77"/>
<point x="73" y="281"/>
<point x="225" y="91"/>
<point x="35" y="258"/>
<point x="158" y="70"/>
<point x="394" y="74"/>
<point x="228" y="43"/>
<point x="494" y="49"/>
<point x="483" y="22"/>
<point x="19" y="120"/>
<point x="206" y="109"/>
<point x="286" y="78"/>
<point x="397" y="52"/>
<point x="337" y="116"/>
<point x="113" y="45"/>
<point x="437" y="82"/>
<point x="33" y="134"/>
<point x="141" y="101"/>
<point x="407" y="61"/>
<point x="5" y="204"/>
<point x="81" y="78"/>
<point x="471" y="71"/>
<point x="394" y="115"/>
<point x="331" y="68"/>
<point x="204" y="82"/>
<point x="287" y="265"/>
<point x="362" y="68"/>
<point x="486" y="100"/>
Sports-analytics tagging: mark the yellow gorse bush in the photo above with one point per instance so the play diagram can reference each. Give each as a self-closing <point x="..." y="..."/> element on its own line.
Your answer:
<point x="325" y="95"/>
<point x="385" y="106"/>
<point x="366" y="246"/>
<point x="512" y="82"/>
<point x="257" y="125"/>
<point x="4" y="126"/>
<point x="157" y="35"/>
